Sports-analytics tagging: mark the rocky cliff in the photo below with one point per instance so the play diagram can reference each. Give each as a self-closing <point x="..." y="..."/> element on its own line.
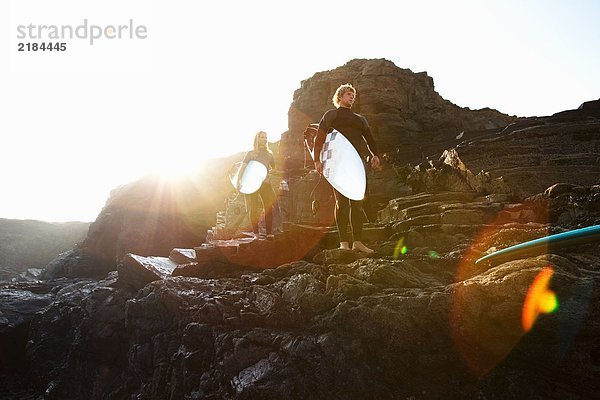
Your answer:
<point x="521" y="160"/>
<point x="405" y="112"/>
<point x="418" y="319"/>
<point x="409" y="121"/>
<point x="297" y="318"/>
<point x="150" y="216"/>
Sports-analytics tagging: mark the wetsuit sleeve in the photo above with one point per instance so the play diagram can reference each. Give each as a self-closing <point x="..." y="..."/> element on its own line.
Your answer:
<point x="248" y="157"/>
<point x="369" y="137"/>
<point x="272" y="161"/>
<point x="324" y="126"/>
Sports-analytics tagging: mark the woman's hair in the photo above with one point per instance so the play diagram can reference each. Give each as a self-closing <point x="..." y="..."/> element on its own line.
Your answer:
<point x="340" y="92"/>
<point x="256" y="141"/>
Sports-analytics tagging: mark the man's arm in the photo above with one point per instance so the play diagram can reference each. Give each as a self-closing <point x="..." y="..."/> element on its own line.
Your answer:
<point x="324" y="126"/>
<point x="371" y="145"/>
<point x="319" y="141"/>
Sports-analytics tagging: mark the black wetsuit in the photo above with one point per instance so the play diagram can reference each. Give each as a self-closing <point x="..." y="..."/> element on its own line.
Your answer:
<point x="356" y="129"/>
<point x="266" y="193"/>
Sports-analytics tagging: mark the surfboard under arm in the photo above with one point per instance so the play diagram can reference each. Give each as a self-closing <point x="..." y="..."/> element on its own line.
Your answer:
<point x="252" y="176"/>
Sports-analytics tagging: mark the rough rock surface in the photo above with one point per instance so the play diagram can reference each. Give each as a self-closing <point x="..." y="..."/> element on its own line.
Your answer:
<point x="424" y="323"/>
<point x="148" y="217"/>
<point x="520" y="161"/>
<point x="417" y="319"/>
<point x="136" y="271"/>
<point x="408" y="118"/>
<point x="304" y="330"/>
<point x="405" y="112"/>
<point x="531" y="159"/>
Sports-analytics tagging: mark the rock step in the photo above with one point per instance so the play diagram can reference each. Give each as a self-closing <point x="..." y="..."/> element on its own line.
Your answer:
<point x="529" y="160"/>
<point x="182" y="256"/>
<point x="299" y="242"/>
<point x="241" y="253"/>
<point x="136" y="271"/>
<point x="387" y="214"/>
<point x="440" y="237"/>
<point x="590" y="169"/>
<point x="446" y="237"/>
<point x="449" y="213"/>
<point x="472" y="219"/>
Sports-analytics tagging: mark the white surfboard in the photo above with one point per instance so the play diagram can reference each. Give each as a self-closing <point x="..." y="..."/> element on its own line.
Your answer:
<point x="253" y="177"/>
<point x="342" y="166"/>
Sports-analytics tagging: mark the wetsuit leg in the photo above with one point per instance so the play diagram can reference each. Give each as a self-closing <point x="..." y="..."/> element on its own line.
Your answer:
<point x="252" y="207"/>
<point x="358" y="215"/>
<point x="356" y="218"/>
<point x="342" y="215"/>
<point x="267" y="196"/>
<point x="347" y="210"/>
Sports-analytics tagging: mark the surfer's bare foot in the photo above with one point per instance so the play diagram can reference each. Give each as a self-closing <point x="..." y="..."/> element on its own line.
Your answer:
<point x="359" y="246"/>
<point x="344" y="246"/>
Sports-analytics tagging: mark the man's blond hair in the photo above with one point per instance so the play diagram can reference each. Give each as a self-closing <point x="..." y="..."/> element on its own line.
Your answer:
<point x="337" y="96"/>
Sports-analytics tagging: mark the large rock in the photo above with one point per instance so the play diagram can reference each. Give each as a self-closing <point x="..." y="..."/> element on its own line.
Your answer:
<point x="522" y="160"/>
<point x="569" y="205"/>
<point x="420" y="323"/>
<point x="405" y="112"/>
<point x="236" y="256"/>
<point x="372" y="328"/>
<point x="408" y="118"/>
<point x="526" y="161"/>
<point x="20" y="301"/>
<point x="416" y="319"/>
<point x="588" y="109"/>
<point x="136" y="271"/>
<point x="149" y="217"/>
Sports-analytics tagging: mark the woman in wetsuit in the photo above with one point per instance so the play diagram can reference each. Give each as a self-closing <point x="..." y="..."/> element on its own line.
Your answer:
<point x="264" y="155"/>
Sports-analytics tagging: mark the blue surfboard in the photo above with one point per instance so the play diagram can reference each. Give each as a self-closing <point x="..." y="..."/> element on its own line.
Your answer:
<point x="547" y="244"/>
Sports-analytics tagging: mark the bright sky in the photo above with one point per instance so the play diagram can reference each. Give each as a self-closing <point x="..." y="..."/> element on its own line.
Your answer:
<point x="78" y="123"/>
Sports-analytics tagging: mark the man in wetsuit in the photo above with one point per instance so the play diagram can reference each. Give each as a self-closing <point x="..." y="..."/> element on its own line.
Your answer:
<point x="356" y="129"/>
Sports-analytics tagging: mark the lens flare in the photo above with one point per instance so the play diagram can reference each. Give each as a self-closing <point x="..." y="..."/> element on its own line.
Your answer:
<point x="539" y="299"/>
<point x="400" y="248"/>
<point x="483" y="343"/>
<point x="433" y="254"/>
